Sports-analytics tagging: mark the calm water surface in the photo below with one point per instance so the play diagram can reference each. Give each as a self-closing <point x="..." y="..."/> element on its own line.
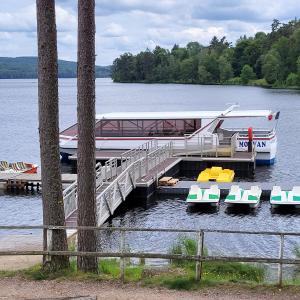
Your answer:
<point x="19" y="141"/>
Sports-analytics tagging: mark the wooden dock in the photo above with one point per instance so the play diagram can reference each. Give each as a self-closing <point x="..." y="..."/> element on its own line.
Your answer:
<point x="182" y="187"/>
<point x="29" y="181"/>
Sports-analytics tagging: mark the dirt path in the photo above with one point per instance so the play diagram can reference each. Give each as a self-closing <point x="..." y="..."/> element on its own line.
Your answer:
<point x="16" y="288"/>
<point x="18" y="262"/>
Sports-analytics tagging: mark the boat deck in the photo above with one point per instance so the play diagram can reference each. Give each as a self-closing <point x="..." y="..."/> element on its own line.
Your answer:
<point x="102" y="154"/>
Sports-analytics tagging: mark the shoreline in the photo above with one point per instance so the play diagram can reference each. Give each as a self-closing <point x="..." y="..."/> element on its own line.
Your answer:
<point x="214" y="84"/>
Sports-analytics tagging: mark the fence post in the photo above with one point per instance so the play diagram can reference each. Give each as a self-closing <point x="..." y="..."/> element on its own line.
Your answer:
<point x="200" y="247"/>
<point x="122" y="260"/>
<point x="45" y="244"/>
<point x="280" y="257"/>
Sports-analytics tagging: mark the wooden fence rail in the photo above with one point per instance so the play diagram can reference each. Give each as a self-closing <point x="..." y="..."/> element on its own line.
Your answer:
<point x="199" y="258"/>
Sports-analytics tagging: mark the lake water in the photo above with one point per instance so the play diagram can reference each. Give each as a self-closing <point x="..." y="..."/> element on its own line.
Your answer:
<point x="19" y="141"/>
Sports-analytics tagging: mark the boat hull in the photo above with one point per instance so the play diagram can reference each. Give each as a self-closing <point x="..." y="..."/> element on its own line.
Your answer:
<point x="266" y="149"/>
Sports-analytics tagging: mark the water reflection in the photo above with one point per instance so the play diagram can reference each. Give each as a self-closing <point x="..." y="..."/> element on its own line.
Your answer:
<point x="241" y="210"/>
<point x="202" y="209"/>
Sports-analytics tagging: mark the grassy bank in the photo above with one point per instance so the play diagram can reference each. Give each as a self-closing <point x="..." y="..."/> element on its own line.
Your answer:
<point x="178" y="274"/>
<point x="173" y="276"/>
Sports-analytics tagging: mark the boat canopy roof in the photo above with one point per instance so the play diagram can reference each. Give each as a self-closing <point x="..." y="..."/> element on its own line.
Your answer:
<point x="183" y="115"/>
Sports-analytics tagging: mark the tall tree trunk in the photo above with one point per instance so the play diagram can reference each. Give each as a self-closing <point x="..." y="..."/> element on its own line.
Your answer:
<point x="53" y="206"/>
<point x="86" y="133"/>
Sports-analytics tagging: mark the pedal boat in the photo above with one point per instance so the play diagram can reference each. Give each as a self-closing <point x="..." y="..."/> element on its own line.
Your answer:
<point x="238" y="196"/>
<point x="204" y="196"/>
<point x="285" y="198"/>
<point x="216" y="174"/>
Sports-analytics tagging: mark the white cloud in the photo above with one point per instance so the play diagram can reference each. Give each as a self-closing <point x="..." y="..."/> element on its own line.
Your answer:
<point x="22" y="20"/>
<point x="113" y="30"/>
<point x="134" y="25"/>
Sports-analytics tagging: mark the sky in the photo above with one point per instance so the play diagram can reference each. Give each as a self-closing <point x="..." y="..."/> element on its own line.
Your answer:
<point x="134" y="25"/>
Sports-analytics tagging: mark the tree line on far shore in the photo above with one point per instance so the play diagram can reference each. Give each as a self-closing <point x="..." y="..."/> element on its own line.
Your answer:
<point x="267" y="59"/>
<point x="26" y="67"/>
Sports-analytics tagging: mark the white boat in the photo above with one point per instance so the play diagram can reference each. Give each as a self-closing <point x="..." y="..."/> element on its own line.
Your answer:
<point x="196" y="131"/>
<point x="285" y="198"/>
<point x="238" y="196"/>
<point x="198" y="195"/>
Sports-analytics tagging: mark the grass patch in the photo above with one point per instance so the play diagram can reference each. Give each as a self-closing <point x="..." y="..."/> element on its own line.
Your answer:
<point x="219" y="271"/>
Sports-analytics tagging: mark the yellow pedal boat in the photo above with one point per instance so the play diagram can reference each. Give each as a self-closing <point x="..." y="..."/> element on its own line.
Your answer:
<point x="216" y="174"/>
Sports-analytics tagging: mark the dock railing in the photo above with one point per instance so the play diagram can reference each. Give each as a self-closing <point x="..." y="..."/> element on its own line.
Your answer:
<point x="209" y="145"/>
<point x="199" y="257"/>
<point x="116" y="192"/>
<point x="109" y="171"/>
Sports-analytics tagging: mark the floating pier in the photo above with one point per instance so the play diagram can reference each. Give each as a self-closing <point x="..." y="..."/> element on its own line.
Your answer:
<point x="135" y="173"/>
<point x="182" y="187"/>
<point x="23" y="181"/>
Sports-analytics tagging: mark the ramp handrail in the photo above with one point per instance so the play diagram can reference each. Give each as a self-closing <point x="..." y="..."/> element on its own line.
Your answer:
<point x="107" y="172"/>
<point x="117" y="191"/>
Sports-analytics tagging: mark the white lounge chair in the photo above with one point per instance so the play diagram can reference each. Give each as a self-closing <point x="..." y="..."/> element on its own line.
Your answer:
<point x="4" y="165"/>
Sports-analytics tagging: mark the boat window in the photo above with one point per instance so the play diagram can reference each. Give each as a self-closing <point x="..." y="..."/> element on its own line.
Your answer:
<point x="108" y="128"/>
<point x="145" y="128"/>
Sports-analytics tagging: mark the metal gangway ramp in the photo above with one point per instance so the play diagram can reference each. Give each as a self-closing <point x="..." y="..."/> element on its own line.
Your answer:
<point x="115" y="181"/>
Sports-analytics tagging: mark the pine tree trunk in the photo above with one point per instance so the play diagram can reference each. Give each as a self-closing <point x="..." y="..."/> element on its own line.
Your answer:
<point x="53" y="206"/>
<point x="86" y="133"/>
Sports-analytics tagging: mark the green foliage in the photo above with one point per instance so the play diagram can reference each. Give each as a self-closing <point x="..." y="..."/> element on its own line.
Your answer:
<point x="26" y="67"/>
<point x="260" y="82"/>
<point x="292" y="80"/>
<point x="271" y="56"/>
<point x="247" y="74"/>
<point x="212" y="270"/>
<point x="271" y="66"/>
<point x="184" y="246"/>
<point x="234" y="81"/>
<point x="225" y="69"/>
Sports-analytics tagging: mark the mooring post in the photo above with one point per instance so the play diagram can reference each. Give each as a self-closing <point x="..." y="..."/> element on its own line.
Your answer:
<point x="122" y="260"/>
<point x="200" y="247"/>
<point x="280" y="257"/>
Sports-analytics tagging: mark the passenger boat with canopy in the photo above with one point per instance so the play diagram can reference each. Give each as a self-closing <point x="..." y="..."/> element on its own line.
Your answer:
<point x="196" y="131"/>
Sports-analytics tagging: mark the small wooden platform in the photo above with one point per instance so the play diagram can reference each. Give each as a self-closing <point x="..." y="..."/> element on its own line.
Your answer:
<point x="155" y="173"/>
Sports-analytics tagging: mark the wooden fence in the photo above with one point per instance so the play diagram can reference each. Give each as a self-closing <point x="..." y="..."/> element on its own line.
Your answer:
<point x="199" y="258"/>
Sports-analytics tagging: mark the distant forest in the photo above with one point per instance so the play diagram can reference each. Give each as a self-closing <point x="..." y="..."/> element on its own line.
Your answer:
<point x="26" y="67"/>
<point x="271" y="59"/>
